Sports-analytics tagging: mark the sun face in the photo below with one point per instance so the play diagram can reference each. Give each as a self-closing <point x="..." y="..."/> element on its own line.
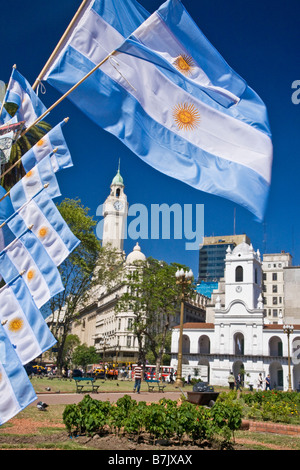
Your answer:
<point x="29" y="174"/>
<point x="30" y="274"/>
<point x="43" y="232"/>
<point x="186" y="116"/>
<point x="185" y="64"/>
<point x="15" y="325"/>
<point x="41" y="142"/>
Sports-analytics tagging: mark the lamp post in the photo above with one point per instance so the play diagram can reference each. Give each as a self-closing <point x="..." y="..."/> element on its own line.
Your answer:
<point x="288" y="329"/>
<point x="104" y="344"/>
<point x="184" y="278"/>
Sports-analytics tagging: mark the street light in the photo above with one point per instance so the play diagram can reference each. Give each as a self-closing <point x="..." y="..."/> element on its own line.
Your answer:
<point x="184" y="278"/>
<point x="288" y="329"/>
<point x="104" y="343"/>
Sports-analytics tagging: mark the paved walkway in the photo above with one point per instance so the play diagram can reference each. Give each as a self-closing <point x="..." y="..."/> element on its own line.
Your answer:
<point x="69" y="398"/>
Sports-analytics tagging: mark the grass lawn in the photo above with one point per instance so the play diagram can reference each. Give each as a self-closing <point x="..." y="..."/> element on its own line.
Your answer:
<point x="41" y="384"/>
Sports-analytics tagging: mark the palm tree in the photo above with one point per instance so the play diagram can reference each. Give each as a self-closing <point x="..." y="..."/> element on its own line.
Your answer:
<point x="19" y="148"/>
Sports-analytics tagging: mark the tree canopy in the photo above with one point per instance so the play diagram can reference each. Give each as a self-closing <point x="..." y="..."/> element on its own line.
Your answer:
<point x="153" y="297"/>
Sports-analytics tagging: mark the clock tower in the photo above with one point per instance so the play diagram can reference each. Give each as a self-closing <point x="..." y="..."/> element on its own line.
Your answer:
<point x="115" y="211"/>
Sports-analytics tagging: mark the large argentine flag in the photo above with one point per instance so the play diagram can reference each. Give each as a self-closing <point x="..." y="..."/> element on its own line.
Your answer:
<point x="16" y="391"/>
<point x="23" y="322"/>
<point x="188" y="136"/>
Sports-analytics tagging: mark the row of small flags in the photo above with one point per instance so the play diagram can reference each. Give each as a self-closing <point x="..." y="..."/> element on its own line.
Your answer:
<point x="35" y="241"/>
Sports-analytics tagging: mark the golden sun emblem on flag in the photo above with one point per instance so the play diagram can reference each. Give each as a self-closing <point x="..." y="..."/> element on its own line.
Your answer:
<point x="15" y="325"/>
<point x="186" y="116"/>
<point x="29" y="173"/>
<point x="30" y="274"/>
<point x="185" y="64"/>
<point x="40" y="142"/>
<point x="43" y="232"/>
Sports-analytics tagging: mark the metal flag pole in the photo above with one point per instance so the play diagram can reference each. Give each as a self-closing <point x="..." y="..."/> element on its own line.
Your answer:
<point x="60" y="43"/>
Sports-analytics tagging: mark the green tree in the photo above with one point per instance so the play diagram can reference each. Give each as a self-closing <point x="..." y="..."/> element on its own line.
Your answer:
<point x="153" y="297"/>
<point x="84" y="355"/>
<point x="19" y="148"/>
<point x="89" y="265"/>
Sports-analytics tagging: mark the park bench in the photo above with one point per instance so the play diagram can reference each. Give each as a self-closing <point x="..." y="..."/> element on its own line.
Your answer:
<point x="153" y="384"/>
<point x="86" y="382"/>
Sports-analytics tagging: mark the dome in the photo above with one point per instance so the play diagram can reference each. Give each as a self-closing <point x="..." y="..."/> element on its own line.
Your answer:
<point x="135" y="255"/>
<point x="118" y="179"/>
<point x="243" y="249"/>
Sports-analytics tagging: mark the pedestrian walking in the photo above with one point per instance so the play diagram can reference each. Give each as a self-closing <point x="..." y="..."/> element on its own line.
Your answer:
<point x="238" y="382"/>
<point x="268" y="382"/>
<point x="138" y="374"/>
<point x="259" y="382"/>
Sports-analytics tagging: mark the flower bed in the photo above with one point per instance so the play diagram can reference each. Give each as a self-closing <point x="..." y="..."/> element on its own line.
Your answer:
<point x="166" y="420"/>
<point x="273" y="405"/>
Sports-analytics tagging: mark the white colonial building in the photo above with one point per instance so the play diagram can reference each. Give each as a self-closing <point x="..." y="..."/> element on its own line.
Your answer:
<point x="238" y="336"/>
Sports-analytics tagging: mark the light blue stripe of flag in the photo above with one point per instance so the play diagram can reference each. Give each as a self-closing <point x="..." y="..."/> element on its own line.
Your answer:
<point x="16" y="390"/>
<point x="54" y="139"/>
<point x="23" y="322"/>
<point x="123" y="15"/>
<point x="40" y="175"/>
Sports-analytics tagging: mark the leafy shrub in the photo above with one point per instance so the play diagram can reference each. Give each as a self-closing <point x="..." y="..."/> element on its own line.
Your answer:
<point x="164" y="420"/>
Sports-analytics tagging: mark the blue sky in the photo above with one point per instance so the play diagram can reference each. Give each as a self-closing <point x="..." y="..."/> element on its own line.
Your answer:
<point x="258" y="39"/>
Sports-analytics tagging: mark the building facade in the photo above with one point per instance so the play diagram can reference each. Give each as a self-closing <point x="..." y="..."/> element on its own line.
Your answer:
<point x="273" y="266"/>
<point x="291" y="278"/>
<point x="237" y="336"/>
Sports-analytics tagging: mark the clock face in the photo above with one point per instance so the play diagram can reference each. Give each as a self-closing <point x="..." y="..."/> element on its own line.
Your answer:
<point x="118" y="205"/>
<point x="238" y="288"/>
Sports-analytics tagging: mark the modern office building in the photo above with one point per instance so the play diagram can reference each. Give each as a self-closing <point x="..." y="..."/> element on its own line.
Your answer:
<point x="212" y="255"/>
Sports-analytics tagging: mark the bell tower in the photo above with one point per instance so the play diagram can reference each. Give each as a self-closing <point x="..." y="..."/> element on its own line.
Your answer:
<point x="115" y="211"/>
<point x="243" y="275"/>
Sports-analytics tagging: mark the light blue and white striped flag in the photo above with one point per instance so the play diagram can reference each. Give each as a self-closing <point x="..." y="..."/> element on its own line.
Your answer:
<point x="39" y="177"/>
<point x="16" y="390"/>
<point x="188" y="136"/>
<point x="23" y="322"/>
<point x="47" y="224"/>
<point x="30" y="107"/>
<point x="53" y="140"/>
<point x="27" y="255"/>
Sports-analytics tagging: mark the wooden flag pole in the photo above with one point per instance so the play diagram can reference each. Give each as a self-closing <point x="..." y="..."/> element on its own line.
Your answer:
<point x="15" y="164"/>
<point x="67" y="93"/>
<point x="61" y="41"/>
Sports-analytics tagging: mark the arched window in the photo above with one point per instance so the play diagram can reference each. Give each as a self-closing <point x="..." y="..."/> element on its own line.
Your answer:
<point x="118" y="192"/>
<point x="239" y="274"/>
